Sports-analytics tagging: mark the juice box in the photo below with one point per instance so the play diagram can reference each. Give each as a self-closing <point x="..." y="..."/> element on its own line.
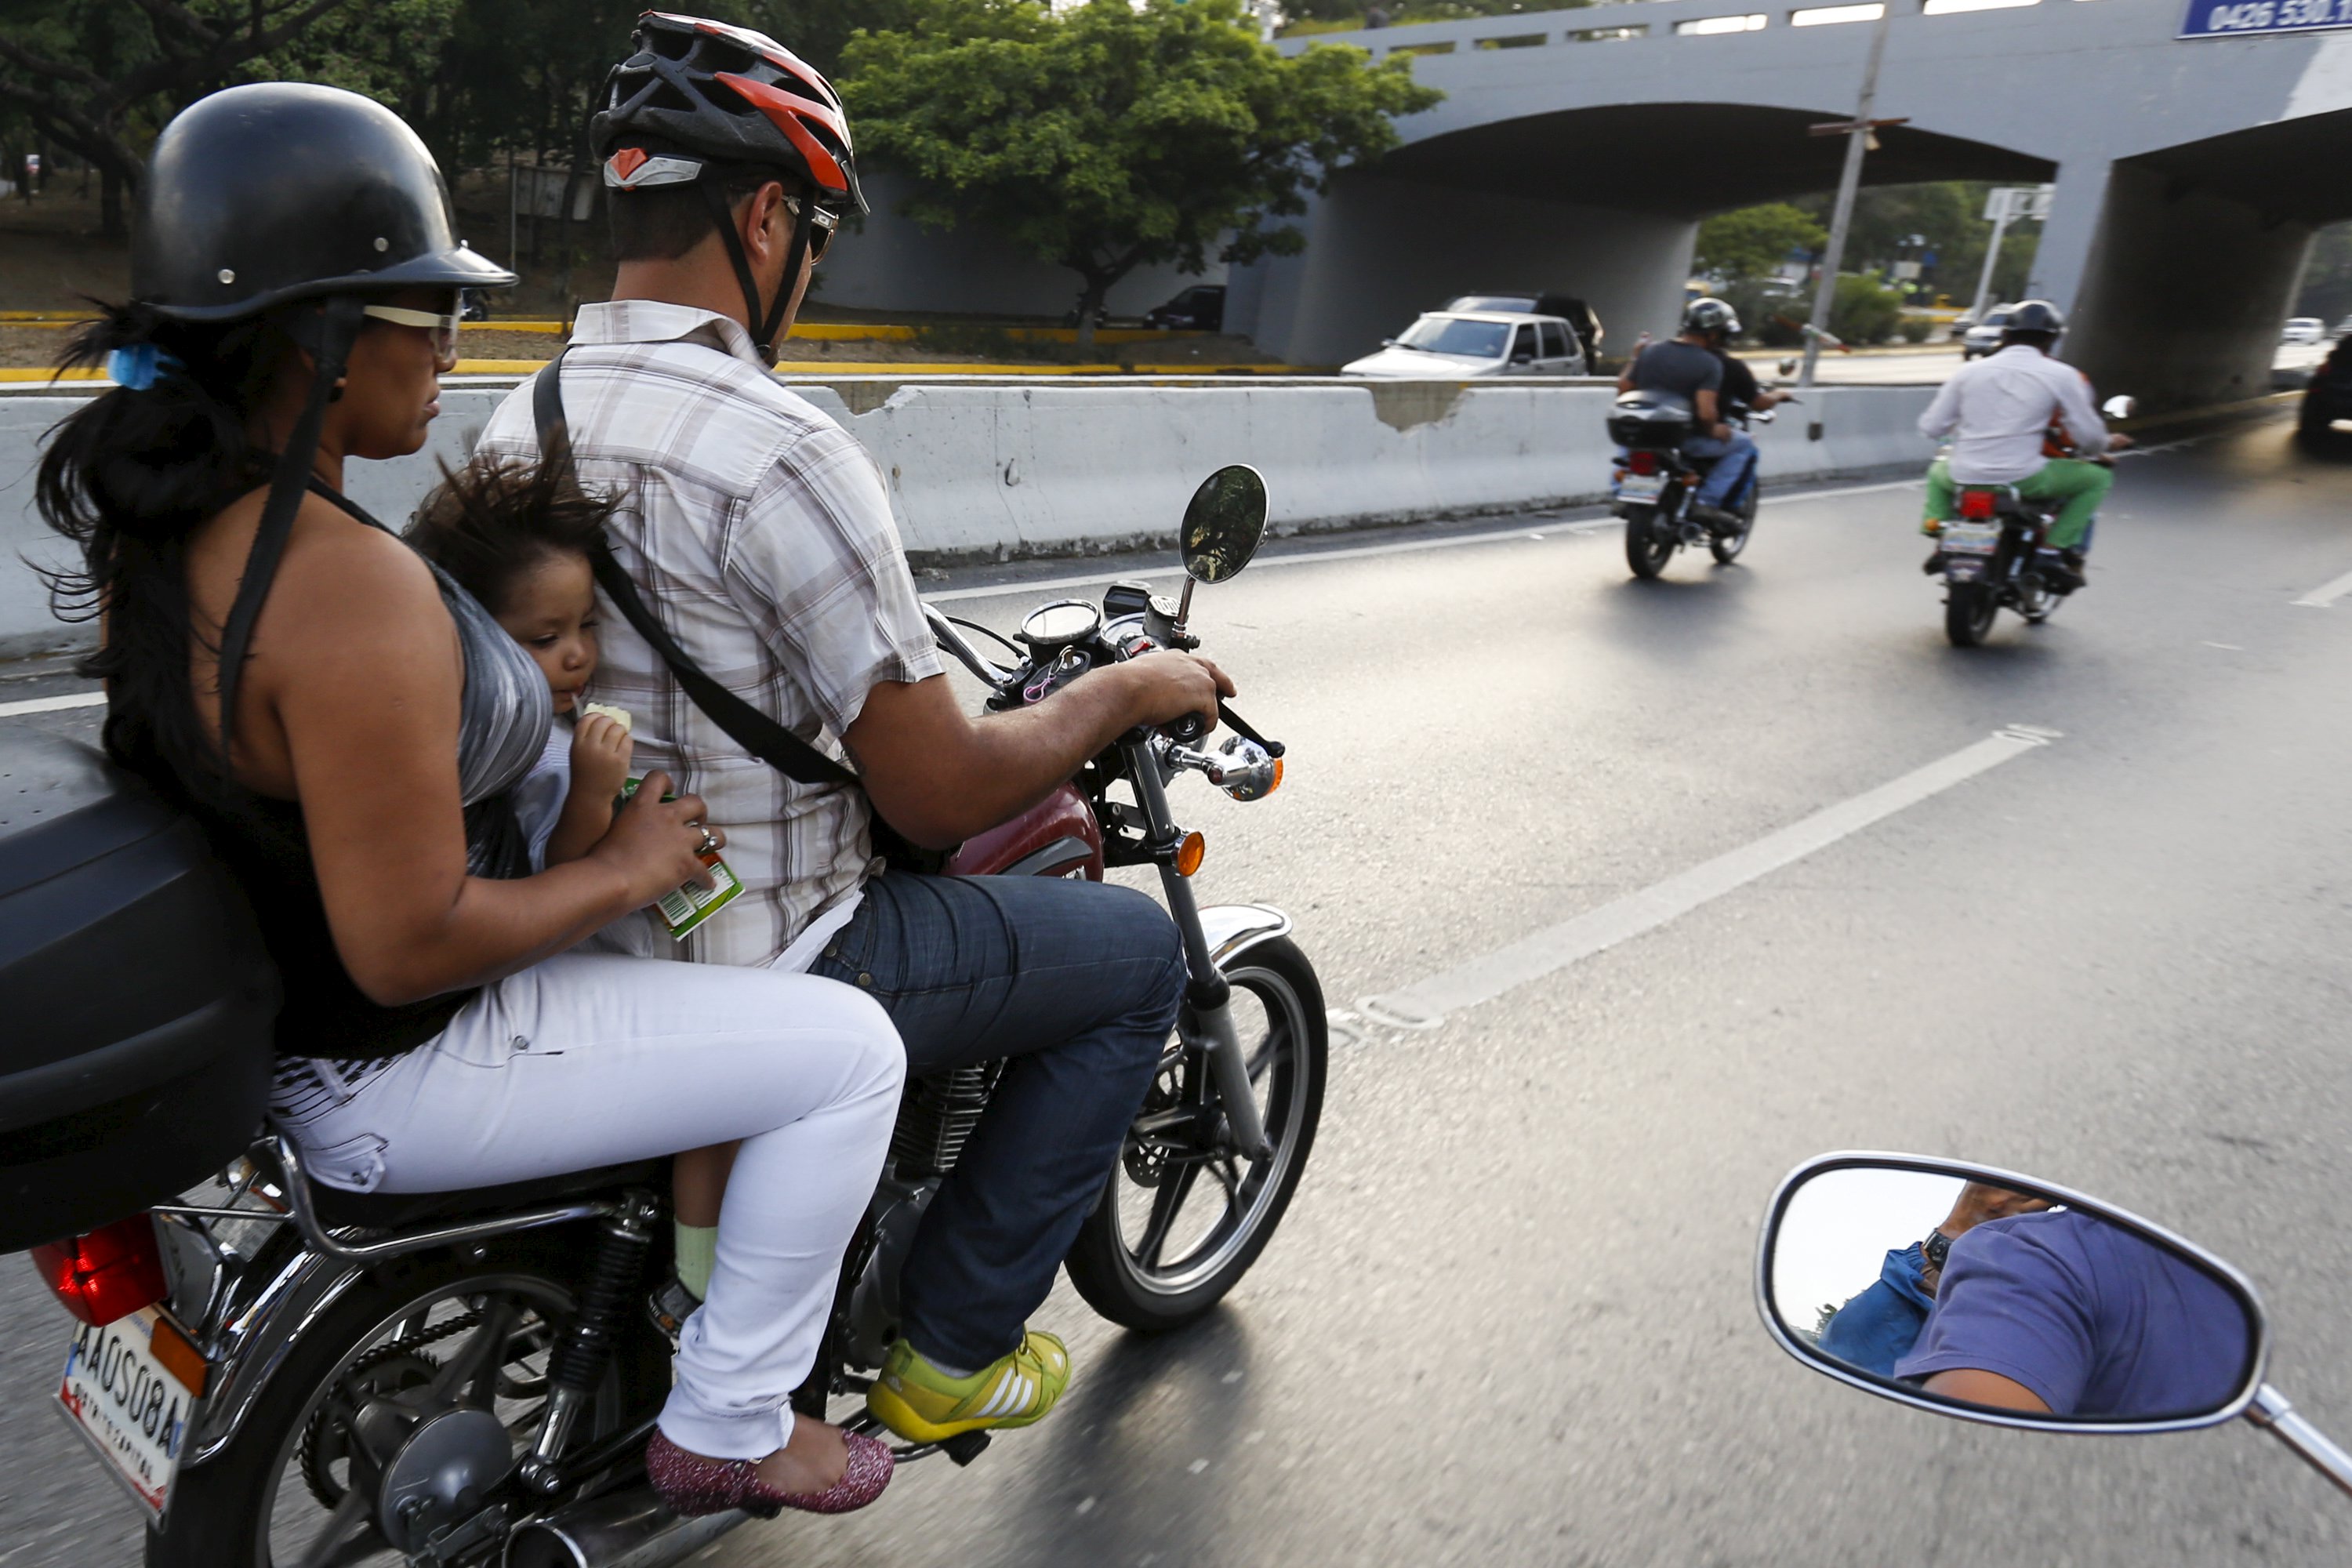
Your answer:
<point x="689" y="904"/>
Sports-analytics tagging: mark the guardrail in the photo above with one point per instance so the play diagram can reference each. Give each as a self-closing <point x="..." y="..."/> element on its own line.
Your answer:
<point x="1621" y="22"/>
<point x="990" y="467"/>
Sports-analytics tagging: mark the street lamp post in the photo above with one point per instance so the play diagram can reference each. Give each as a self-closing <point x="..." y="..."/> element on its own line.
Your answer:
<point x="1859" y="134"/>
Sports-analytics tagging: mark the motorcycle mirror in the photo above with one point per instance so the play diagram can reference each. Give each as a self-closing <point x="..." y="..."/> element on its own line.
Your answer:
<point x="1787" y="367"/>
<point x="2120" y="407"/>
<point x="1983" y="1294"/>
<point x="1225" y="523"/>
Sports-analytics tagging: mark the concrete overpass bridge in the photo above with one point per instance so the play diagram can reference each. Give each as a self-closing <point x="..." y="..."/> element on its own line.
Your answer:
<point x="1579" y="149"/>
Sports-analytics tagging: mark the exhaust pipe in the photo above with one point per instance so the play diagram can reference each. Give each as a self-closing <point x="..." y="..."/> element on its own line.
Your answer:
<point x="625" y="1528"/>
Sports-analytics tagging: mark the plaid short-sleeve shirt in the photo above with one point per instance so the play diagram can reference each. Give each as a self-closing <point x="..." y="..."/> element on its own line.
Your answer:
<point x="759" y="531"/>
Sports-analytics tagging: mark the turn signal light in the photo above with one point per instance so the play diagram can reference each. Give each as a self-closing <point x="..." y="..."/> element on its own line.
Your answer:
<point x="106" y="1275"/>
<point x="1190" y="853"/>
<point x="1277" y="777"/>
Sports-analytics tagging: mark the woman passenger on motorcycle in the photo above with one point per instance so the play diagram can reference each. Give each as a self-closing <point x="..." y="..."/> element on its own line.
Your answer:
<point x="436" y="1034"/>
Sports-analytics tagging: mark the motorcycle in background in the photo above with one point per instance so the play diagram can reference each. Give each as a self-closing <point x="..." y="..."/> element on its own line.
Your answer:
<point x="1996" y="554"/>
<point x="285" y="1376"/>
<point x="1657" y="479"/>
<point x="2188" y="1348"/>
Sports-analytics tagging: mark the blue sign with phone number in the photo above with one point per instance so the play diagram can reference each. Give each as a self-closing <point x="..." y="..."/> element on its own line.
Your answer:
<point x="2226" y="18"/>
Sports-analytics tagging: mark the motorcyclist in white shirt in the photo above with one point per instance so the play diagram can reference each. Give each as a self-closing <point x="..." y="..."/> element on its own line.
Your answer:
<point x="1999" y="412"/>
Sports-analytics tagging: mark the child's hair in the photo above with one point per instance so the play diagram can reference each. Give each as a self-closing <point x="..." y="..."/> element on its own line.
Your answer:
<point x="495" y="519"/>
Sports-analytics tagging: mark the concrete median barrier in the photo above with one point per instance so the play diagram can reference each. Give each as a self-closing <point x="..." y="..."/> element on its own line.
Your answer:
<point x="984" y="468"/>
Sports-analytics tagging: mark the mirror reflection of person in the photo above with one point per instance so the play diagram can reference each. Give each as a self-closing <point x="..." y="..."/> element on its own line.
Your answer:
<point x="2060" y="1313"/>
<point x="1877" y="1328"/>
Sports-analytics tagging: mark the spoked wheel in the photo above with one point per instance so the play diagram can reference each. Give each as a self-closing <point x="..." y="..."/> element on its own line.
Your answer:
<point x="1177" y="1225"/>
<point x="1727" y="550"/>
<point x="472" y="1337"/>
<point x="1649" y="542"/>
<point x="1968" y="610"/>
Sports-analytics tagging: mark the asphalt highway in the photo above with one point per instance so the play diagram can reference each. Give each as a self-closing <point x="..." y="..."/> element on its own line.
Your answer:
<point x="1509" y="1319"/>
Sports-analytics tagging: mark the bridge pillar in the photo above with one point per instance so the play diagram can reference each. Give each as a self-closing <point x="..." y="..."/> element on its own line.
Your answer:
<point x="1380" y="250"/>
<point x="2181" y="288"/>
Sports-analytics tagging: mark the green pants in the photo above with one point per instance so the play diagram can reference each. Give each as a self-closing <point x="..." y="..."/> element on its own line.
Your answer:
<point x="2078" y="487"/>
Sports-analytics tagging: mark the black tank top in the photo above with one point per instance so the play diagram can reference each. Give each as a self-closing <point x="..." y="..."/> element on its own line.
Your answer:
<point x="504" y="715"/>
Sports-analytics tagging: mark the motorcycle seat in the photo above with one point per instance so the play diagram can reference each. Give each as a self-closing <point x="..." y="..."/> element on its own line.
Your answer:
<point x="401" y="1211"/>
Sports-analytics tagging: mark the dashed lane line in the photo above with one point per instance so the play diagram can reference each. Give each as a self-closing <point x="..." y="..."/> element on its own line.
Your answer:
<point x="1428" y="1004"/>
<point x="2326" y="593"/>
<point x="52" y="704"/>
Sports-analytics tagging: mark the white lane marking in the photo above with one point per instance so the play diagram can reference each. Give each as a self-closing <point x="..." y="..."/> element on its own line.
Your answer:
<point x="2326" y="593"/>
<point x="53" y="704"/>
<point x="1426" y="1005"/>
<point x="1398" y="547"/>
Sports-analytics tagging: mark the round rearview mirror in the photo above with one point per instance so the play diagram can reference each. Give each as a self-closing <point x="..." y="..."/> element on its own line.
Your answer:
<point x="1978" y="1293"/>
<point x="2120" y="407"/>
<point x="1225" y="523"/>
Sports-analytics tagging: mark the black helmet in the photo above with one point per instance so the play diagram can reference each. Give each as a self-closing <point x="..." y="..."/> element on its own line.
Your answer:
<point x="2033" y="319"/>
<point x="263" y="195"/>
<point x="1712" y="317"/>
<point x="713" y="91"/>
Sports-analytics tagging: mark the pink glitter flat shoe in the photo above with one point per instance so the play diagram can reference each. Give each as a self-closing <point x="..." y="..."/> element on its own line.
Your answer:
<point x="691" y="1486"/>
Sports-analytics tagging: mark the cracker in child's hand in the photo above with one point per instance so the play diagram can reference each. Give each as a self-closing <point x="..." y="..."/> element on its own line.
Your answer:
<point x="617" y="715"/>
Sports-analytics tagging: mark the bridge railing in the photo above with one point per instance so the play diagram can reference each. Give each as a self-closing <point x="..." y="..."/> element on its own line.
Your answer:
<point x="1634" y="21"/>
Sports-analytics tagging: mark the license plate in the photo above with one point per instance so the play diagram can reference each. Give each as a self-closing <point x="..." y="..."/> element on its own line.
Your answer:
<point x="1642" y="487"/>
<point x="129" y="1406"/>
<point x="1970" y="538"/>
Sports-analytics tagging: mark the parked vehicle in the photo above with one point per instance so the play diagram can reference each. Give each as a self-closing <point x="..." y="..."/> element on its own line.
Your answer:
<point x="1448" y="345"/>
<point x="283" y="1374"/>
<point x="2194" y="1352"/>
<point x="1984" y="337"/>
<point x="1996" y="555"/>
<point x="2327" y="401"/>
<point x="2303" y="331"/>
<point x="1200" y="309"/>
<point x="1581" y="318"/>
<point x="1657" y="479"/>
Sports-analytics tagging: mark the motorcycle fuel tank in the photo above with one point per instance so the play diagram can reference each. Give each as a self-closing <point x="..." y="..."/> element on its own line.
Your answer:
<point x="1056" y="837"/>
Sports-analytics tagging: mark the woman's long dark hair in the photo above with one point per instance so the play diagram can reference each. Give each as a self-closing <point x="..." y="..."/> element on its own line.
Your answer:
<point x="127" y="477"/>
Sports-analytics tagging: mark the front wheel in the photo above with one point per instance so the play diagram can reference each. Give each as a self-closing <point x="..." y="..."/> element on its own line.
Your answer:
<point x="1649" y="542"/>
<point x="1968" y="610"/>
<point x="1179" y="1223"/>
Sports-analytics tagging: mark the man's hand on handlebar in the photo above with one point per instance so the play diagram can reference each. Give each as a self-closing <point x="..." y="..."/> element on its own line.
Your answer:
<point x="1164" y="686"/>
<point x="2117" y="441"/>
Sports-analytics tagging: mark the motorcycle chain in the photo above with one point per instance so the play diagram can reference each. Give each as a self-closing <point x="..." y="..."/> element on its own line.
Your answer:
<point x="313" y="1455"/>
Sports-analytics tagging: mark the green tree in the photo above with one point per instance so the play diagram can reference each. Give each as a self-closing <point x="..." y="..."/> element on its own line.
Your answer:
<point x="1112" y="135"/>
<point x="1753" y="241"/>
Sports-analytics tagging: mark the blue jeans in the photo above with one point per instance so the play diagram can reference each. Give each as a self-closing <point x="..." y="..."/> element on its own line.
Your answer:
<point x="1738" y="460"/>
<point x="1078" y="984"/>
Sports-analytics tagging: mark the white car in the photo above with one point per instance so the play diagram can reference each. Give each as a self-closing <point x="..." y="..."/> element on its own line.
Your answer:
<point x="1448" y="345"/>
<point x="1984" y="337"/>
<point x="2304" y="330"/>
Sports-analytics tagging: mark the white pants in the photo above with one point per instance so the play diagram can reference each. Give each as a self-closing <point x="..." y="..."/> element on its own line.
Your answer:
<point x="587" y="1060"/>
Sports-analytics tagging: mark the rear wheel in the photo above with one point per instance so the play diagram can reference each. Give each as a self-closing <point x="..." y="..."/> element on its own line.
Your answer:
<point x="281" y="1494"/>
<point x="1968" y="610"/>
<point x="1178" y="1226"/>
<point x="1649" y="542"/>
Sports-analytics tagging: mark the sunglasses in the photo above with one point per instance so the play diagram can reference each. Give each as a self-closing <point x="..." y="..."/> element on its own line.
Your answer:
<point x="823" y="224"/>
<point x="443" y="328"/>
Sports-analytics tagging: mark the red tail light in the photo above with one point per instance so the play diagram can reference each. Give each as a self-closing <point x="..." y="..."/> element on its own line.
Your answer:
<point x="107" y="1274"/>
<point x="1978" y="505"/>
<point x="1641" y="462"/>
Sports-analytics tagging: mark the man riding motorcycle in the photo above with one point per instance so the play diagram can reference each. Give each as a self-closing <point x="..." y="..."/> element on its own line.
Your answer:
<point x="1695" y="366"/>
<point x="1998" y="411"/>
<point x="761" y="534"/>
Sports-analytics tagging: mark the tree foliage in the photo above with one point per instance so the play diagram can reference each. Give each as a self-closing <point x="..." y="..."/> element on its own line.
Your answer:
<point x="1110" y="135"/>
<point x="1754" y="241"/>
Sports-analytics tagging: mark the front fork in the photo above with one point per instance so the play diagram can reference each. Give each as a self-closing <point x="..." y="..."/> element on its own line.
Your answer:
<point x="1208" y="1022"/>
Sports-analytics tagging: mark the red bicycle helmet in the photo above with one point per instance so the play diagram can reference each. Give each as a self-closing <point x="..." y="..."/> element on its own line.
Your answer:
<point x="713" y="91"/>
<point x="697" y="92"/>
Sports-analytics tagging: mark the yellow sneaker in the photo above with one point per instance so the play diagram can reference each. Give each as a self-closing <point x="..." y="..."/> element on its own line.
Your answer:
<point x="924" y="1404"/>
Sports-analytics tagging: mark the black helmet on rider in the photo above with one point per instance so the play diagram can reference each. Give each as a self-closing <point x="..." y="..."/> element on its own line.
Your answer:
<point x="717" y="109"/>
<point x="2037" y="324"/>
<point x="1711" y="318"/>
